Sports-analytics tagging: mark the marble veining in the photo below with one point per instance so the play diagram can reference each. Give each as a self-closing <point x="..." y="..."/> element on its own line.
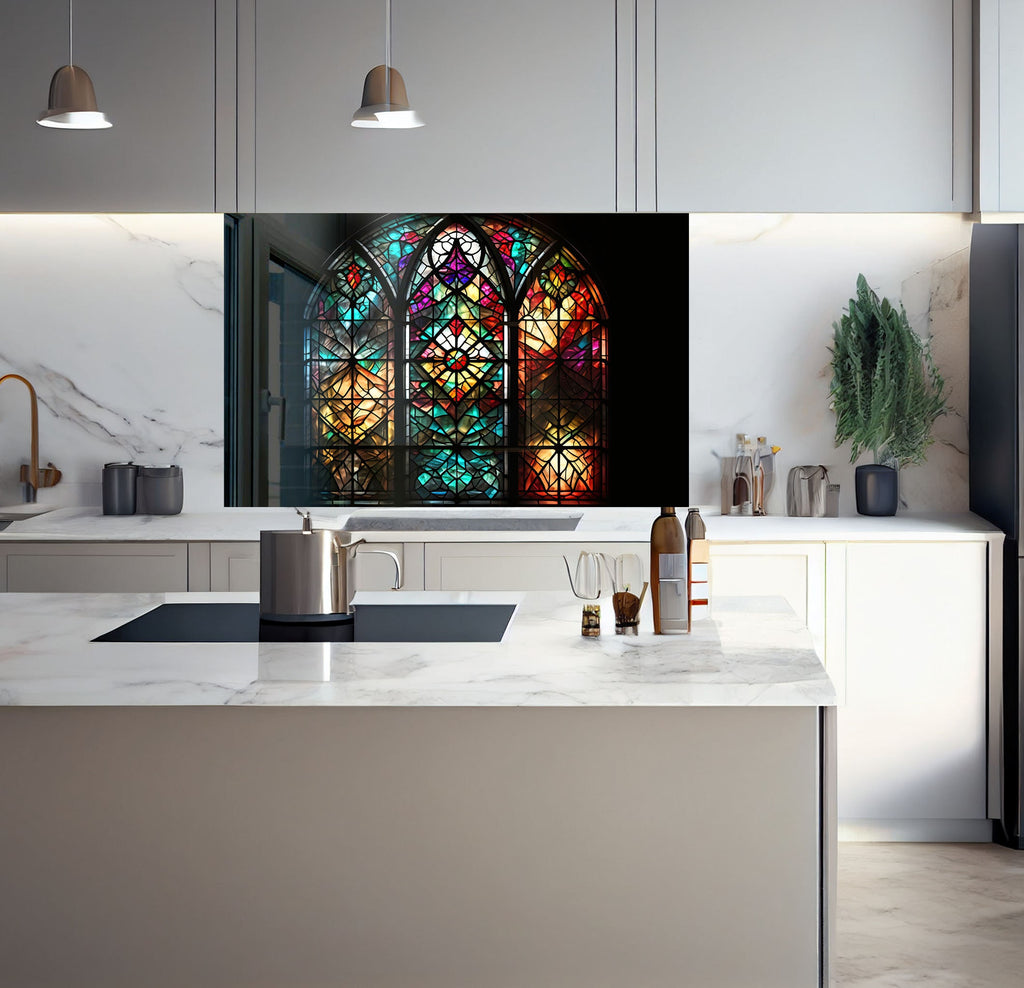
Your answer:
<point x="745" y="656"/>
<point x="118" y="322"/>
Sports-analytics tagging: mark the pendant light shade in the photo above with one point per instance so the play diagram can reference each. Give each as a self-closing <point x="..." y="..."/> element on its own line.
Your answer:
<point x="385" y="103"/>
<point x="72" y="103"/>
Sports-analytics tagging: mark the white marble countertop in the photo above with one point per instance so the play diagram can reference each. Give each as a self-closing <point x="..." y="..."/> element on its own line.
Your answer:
<point x="595" y="524"/>
<point x="752" y="652"/>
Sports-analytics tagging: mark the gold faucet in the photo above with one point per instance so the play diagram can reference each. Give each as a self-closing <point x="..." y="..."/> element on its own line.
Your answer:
<point x="30" y="476"/>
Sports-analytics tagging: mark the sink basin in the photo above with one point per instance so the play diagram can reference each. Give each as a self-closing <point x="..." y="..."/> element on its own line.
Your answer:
<point x="16" y="512"/>
<point x="448" y="519"/>
<point x="240" y="622"/>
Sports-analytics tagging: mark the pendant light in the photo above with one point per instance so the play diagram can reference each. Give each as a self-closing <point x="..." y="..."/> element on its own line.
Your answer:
<point x="385" y="103"/>
<point x="72" y="104"/>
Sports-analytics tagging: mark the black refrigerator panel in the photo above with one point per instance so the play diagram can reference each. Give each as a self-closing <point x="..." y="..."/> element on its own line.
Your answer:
<point x="1007" y="829"/>
<point x="995" y="407"/>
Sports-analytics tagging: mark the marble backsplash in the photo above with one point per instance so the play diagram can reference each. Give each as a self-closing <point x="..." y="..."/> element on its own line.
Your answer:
<point x="764" y="292"/>
<point x="118" y="322"/>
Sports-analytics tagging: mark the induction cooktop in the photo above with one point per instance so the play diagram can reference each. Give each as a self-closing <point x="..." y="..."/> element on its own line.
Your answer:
<point x="240" y="622"/>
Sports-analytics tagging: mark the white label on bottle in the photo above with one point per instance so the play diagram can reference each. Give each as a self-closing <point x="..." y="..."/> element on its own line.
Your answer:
<point x="672" y="566"/>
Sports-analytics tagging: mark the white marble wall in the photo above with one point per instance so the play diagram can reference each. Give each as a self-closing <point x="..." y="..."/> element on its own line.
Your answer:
<point x="118" y="322"/>
<point x="764" y="292"/>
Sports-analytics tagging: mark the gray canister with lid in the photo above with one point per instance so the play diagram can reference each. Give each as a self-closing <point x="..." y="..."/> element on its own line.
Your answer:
<point x="160" y="490"/>
<point x="119" y="480"/>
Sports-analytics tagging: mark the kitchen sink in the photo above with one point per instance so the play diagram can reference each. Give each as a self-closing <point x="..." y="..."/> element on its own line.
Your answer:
<point x="17" y="512"/>
<point x="446" y="519"/>
<point x="240" y="622"/>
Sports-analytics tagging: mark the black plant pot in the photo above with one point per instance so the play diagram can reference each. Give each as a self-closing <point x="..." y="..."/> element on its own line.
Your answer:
<point x="878" y="489"/>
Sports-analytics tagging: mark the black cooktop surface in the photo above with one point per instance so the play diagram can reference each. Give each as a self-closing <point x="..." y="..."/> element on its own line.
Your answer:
<point x="240" y="622"/>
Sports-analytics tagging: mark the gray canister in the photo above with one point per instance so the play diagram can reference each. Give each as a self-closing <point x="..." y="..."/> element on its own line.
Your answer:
<point x="119" y="488"/>
<point x="160" y="490"/>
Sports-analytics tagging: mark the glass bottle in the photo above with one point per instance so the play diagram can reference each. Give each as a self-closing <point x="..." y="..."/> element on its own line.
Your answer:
<point x="743" y="477"/>
<point x="668" y="573"/>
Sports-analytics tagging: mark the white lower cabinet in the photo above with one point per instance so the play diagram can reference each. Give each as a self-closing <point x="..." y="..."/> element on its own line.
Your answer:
<point x="912" y="747"/>
<point x="513" y="565"/>
<point x="94" y="567"/>
<point x="234" y="566"/>
<point x="794" y="571"/>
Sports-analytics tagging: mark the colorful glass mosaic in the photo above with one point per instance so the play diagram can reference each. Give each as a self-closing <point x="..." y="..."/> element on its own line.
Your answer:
<point x="562" y="380"/>
<point x="351" y="381"/>
<point x="459" y="360"/>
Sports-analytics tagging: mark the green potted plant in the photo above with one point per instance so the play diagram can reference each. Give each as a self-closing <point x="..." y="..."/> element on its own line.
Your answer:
<point x="886" y="393"/>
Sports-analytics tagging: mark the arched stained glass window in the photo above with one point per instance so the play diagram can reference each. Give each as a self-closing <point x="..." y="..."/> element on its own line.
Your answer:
<point x="459" y="360"/>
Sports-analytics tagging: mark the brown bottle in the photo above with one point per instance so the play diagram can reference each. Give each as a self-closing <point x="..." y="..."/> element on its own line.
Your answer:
<point x="668" y="573"/>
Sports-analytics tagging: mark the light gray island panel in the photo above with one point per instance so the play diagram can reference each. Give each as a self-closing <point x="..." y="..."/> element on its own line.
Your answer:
<point x="435" y="847"/>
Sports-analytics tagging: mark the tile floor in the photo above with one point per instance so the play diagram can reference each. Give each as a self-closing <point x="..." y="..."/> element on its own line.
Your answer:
<point x="941" y="915"/>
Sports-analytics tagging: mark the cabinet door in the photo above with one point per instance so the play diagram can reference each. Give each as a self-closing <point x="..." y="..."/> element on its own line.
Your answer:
<point x="518" y="101"/>
<point x="793" y="571"/>
<point x="911" y="736"/>
<point x="99" y="567"/>
<point x="513" y="565"/>
<point x="1000" y="105"/>
<point x="234" y="566"/>
<point x="153" y="69"/>
<point x="806" y="106"/>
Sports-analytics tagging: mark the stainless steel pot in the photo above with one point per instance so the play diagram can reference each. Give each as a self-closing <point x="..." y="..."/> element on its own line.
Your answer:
<point x="307" y="574"/>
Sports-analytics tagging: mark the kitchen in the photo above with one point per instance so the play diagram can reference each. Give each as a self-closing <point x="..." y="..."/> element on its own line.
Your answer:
<point x="133" y="359"/>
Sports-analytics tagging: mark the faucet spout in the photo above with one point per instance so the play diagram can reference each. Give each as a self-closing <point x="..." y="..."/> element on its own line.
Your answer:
<point x="31" y="481"/>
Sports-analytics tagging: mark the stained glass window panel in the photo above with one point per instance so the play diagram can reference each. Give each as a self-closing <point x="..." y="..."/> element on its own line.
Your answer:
<point x="352" y="382"/>
<point x="562" y="385"/>
<point x="457" y="370"/>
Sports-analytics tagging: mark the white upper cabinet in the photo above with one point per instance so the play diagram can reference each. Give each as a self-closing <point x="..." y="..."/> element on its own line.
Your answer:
<point x="805" y="106"/>
<point x="519" y="102"/>
<point x="153" y="69"/>
<point x="1000" y="106"/>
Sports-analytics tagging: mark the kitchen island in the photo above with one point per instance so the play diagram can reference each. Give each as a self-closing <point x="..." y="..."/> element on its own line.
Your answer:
<point x="545" y="810"/>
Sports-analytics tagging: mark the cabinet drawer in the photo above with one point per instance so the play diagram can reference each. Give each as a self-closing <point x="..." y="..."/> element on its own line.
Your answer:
<point x="513" y="565"/>
<point x="97" y="568"/>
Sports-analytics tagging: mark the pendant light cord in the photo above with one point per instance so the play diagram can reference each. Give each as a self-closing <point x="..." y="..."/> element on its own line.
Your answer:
<point x="387" y="52"/>
<point x="71" y="32"/>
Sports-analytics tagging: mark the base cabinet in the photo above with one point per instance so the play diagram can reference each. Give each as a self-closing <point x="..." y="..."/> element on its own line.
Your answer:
<point x="99" y="567"/>
<point x="513" y="565"/>
<point x="912" y="748"/>
<point x="794" y="571"/>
